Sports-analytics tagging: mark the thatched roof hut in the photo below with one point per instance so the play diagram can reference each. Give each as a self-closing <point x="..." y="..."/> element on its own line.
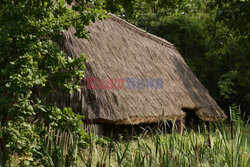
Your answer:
<point x="117" y="49"/>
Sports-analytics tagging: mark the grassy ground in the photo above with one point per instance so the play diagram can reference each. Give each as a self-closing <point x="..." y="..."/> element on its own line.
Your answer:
<point x="190" y="149"/>
<point x="246" y="133"/>
<point x="193" y="148"/>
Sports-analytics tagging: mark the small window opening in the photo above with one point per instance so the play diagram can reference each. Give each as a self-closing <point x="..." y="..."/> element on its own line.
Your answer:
<point x="192" y="121"/>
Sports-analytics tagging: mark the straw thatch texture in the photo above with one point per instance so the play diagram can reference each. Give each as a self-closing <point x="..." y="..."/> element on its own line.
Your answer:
<point x="117" y="49"/>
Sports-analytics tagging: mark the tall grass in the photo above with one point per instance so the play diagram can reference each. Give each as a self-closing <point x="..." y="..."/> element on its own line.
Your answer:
<point x="200" y="148"/>
<point x="223" y="147"/>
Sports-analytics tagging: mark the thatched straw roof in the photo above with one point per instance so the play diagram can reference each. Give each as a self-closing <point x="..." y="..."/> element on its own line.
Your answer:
<point x="117" y="49"/>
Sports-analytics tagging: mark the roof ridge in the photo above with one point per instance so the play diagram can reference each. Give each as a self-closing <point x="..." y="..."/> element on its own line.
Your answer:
<point x="142" y="32"/>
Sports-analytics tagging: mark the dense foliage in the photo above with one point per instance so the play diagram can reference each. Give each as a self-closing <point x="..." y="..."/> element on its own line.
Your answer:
<point x="30" y="59"/>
